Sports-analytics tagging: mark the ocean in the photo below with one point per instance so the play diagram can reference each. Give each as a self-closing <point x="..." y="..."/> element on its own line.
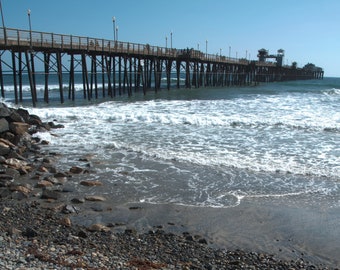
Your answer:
<point x="208" y="147"/>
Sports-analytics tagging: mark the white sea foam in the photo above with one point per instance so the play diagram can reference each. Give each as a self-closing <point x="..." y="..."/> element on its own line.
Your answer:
<point x="214" y="152"/>
<point x="207" y="133"/>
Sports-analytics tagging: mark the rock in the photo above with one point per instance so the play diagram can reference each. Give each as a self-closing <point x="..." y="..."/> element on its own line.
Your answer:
<point x="16" y="154"/>
<point x="10" y="137"/>
<point x="15" y="117"/>
<point x="4" y="149"/>
<point x="68" y="189"/>
<point x="2" y="159"/>
<point x="4" y="126"/>
<point x="50" y="194"/>
<point x="30" y="232"/>
<point x="135" y="207"/>
<point x="12" y="172"/>
<point x="21" y="189"/>
<point x="68" y="209"/>
<point x="13" y="231"/>
<point x="16" y="163"/>
<point x="34" y="120"/>
<point x="47" y="160"/>
<point x="43" y="169"/>
<point x="189" y="238"/>
<point x="60" y="175"/>
<point x="91" y="183"/>
<point x="4" y="110"/>
<point x="98" y="228"/>
<point x="53" y="125"/>
<point x="7" y="142"/>
<point x="24" y="114"/>
<point x="76" y="170"/>
<point x="44" y="184"/>
<point x="18" y="128"/>
<point x="16" y="195"/>
<point x="203" y="241"/>
<point x="78" y="200"/>
<point x="5" y="193"/>
<point x="66" y="222"/>
<point x="55" y="181"/>
<point x="131" y="231"/>
<point x="97" y="208"/>
<point x="82" y="234"/>
<point x="6" y="180"/>
<point x="95" y="198"/>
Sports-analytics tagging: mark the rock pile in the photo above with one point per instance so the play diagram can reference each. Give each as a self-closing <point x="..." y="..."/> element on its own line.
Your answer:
<point x="20" y="150"/>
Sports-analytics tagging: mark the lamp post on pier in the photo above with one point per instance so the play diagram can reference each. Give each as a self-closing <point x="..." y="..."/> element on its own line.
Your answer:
<point x="117" y="33"/>
<point x="30" y="26"/>
<point x="166" y="42"/>
<point x="171" y="39"/>
<point x="229" y="51"/>
<point x="206" y="48"/>
<point x="114" y="28"/>
<point x="3" y="23"/>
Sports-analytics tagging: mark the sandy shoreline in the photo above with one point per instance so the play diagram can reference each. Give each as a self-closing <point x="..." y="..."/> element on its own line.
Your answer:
<point x="288" y="232"/>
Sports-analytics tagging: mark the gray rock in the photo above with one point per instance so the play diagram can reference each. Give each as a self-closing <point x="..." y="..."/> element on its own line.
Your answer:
<point x="50" y="194"/>
<point x="30" y="232"/>
<point x="6" y="180"/>
<point x="4" y="125"/>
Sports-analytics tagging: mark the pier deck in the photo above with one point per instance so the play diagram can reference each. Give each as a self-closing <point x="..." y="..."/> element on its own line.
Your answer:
<point x="124" y="66"/>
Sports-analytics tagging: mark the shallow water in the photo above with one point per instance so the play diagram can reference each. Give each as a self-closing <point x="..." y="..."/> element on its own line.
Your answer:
<point x="210" y="147"/>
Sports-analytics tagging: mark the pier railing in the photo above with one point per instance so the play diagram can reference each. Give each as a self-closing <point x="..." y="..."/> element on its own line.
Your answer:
<point x="16" y="38"/>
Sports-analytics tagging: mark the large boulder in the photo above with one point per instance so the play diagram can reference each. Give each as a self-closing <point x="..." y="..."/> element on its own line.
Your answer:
<point x="4" y="126"/>
<point x="18" y="128"/>
<point x="15" y="117"/>
<point x="24" y="114"/>
<point x="4" y="110"/>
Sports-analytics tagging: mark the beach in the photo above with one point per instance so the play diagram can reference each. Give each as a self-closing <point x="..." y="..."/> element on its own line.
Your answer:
<point x="195" y="179"/>
<point x="44" y="234"/>
<point x="44" y="224"/>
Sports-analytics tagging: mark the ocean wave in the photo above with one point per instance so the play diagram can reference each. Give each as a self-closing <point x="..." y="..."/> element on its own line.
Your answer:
<point x="197" y="120"/>
<point x="331" y="92"/>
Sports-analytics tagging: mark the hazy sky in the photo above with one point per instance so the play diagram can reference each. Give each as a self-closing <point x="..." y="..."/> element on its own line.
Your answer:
<point x="308" y="30"/>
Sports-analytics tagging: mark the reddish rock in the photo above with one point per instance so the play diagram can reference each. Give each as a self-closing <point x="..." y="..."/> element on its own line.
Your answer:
<point x="98" y="228"/>
<point x="66" y="222"/>
<point x="18" y="128"/>
<point x="95" y="198"/>
<point x="91" y="183"/>
<point x="76" y="170"/>
<point x="21" y="189"/>
<point x="44" y="184"/>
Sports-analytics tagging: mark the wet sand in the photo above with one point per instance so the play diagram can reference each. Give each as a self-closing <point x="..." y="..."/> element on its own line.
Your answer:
<point x="289" y="232"/>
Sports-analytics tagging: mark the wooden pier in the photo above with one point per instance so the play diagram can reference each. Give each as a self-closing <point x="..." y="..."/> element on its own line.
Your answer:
<point x="109" y="68"/>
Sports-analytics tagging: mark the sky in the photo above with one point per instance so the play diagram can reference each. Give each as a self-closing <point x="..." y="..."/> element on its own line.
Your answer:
<point x="308" y="30"/>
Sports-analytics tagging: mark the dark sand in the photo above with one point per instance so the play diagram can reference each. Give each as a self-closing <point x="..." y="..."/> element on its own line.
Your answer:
<point x="289" y="232"/>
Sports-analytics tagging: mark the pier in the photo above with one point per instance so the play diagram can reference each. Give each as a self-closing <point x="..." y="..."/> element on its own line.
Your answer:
<point x="110" y="67"/>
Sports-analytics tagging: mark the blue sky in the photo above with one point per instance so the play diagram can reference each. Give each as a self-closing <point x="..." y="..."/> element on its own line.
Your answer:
<point x="308" y="30"/>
